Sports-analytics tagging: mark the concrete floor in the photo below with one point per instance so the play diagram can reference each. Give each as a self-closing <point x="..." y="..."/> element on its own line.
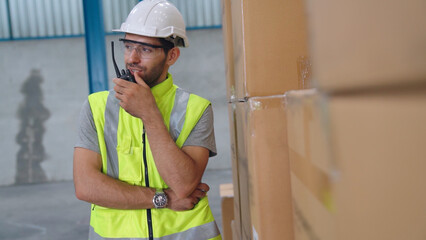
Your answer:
<point x="51" y="211"/>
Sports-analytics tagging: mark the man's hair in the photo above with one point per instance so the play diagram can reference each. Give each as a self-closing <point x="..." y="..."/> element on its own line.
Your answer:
<point x="166" y="44"/>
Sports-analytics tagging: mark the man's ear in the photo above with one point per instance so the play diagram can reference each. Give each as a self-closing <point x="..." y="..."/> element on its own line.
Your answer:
<point x="172" y="56"/>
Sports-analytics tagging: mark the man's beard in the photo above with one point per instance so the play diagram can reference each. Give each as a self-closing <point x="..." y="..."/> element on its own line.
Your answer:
<point x="152" y="77"/>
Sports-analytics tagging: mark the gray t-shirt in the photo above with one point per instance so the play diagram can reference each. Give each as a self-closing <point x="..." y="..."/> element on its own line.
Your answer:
<point x="202" y="135"/>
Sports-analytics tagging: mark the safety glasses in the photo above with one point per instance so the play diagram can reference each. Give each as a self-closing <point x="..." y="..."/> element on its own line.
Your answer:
<point x="144" y="50"/>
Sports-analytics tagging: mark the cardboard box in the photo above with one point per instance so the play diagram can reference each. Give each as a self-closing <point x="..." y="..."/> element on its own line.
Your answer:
<point x="238" y="119"/>
<point x="311" y="165"/>
<point x="234" y="164"/>
<point x="269" y="179"/>
<point x="229" y="48"/>
<point x="235" y="232"/>
<point x="366" y="44"/>
<point x="269" y="47"/>
<point x="379" y="150"/>
<point x="227" y="202"/>
<point x="265" y="208"/>
<point x="358" y="165"/>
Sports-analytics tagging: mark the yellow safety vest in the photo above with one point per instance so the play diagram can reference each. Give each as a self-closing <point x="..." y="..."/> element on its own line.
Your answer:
<point x="126" y="156"/>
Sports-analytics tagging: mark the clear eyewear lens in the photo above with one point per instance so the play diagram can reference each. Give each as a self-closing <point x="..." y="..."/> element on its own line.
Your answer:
<point x="142" y="50"/>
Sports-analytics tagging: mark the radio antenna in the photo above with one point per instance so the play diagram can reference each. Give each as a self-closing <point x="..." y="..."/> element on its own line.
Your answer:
<point x="117" y="71"/>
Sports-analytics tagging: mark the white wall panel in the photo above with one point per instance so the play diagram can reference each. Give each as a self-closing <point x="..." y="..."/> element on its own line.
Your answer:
<point x="80" y="16"/>
<point x="207" y="12"/>
<point x="47" y="5"/>
<point x="217" y="13"/>
<point x="40" y="15"/>
<point x="22" y="23"/>
<point x="57" y="19"/>
<point x="4" y="21"/>
<point x="66" y="16"/>
<point x="108" y="21"/>
<point x="50" y="18"/>
<point x="32" y="19"/>
<point x="75" y="26"/>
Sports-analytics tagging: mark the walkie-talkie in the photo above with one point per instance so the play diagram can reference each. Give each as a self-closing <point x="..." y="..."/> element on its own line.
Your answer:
<point x="125" y="74"/>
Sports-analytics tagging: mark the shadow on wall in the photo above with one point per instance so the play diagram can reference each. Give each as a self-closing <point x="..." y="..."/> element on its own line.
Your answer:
<point x="32" y="115"/>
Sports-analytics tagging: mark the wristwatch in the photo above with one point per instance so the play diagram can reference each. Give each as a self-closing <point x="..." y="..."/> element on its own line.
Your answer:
<point x="160" y="199"/>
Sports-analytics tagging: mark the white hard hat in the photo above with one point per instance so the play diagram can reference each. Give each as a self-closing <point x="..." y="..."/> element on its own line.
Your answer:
<point x="156" y="18"/>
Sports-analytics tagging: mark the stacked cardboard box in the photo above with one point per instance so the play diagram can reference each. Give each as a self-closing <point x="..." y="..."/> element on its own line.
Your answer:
<point x="367" y="44"/>
<point x="311" y="164"/>
<point x="357" y="164"/>
<point x="227" y="202"/>
<point x="266" y="55"/>
<point x="262" y="169"/>
<point x="356" y="145"/>
<point x="269" y="181"/>
<point x="265" y="45"/>
<point x="240" y="175"/>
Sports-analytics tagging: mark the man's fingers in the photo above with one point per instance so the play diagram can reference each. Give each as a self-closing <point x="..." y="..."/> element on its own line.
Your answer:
<point x="121" y="87"/>
<point x="118" y="89"/>
<point x="118" y="96"/>
<point x="139" y="80"/>
<point x="198" y="194"/>
<point x="203" y="187"/>
<point x="195" y="201"/>
<point x="120" y="82"/>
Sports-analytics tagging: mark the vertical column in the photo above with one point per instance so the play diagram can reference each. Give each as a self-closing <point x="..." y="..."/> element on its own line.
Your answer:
<point x="95" y="45"/>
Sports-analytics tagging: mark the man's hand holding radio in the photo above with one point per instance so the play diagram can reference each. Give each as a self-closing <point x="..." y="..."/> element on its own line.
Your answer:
<point x="137" y="99"/>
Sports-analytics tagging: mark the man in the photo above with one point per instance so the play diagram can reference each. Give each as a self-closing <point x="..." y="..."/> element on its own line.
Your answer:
<point x="143" y="147"/>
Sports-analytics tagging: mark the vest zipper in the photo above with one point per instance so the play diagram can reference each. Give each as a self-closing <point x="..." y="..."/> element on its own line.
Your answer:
<point x="148" y="211"/>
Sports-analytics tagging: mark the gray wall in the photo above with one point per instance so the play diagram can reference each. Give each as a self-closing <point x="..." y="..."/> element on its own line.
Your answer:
<point x="44" y="83"/>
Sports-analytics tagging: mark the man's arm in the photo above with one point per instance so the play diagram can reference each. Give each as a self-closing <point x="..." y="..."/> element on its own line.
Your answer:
<point x="92" y="186"/>
<point x="181" y="169"/>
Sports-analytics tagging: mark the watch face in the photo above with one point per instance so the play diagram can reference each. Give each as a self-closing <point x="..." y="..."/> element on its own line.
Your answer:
<point x="160" y="200"/>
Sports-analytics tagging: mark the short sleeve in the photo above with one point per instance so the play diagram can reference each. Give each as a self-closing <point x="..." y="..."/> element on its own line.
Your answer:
<point x="87" y="134"/>
<point x="203" y="133"/>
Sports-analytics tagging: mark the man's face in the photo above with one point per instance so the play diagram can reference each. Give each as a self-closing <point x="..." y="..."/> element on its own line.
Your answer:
<point x="153" y="69"/>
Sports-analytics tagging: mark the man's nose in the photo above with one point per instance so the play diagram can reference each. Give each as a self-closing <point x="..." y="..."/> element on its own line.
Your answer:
<point x="134" y="56"/>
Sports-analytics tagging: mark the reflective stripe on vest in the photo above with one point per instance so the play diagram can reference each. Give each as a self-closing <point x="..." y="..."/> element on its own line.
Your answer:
<point x="111" y="122"/>
<point x="177" y="117"/>
<point x="121" y="144"/>
<point x="206" y="231"/>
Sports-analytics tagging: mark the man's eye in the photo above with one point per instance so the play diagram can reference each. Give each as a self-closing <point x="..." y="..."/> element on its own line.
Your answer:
<point x="147" y="49"/>
<point x="127" y="46"/>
